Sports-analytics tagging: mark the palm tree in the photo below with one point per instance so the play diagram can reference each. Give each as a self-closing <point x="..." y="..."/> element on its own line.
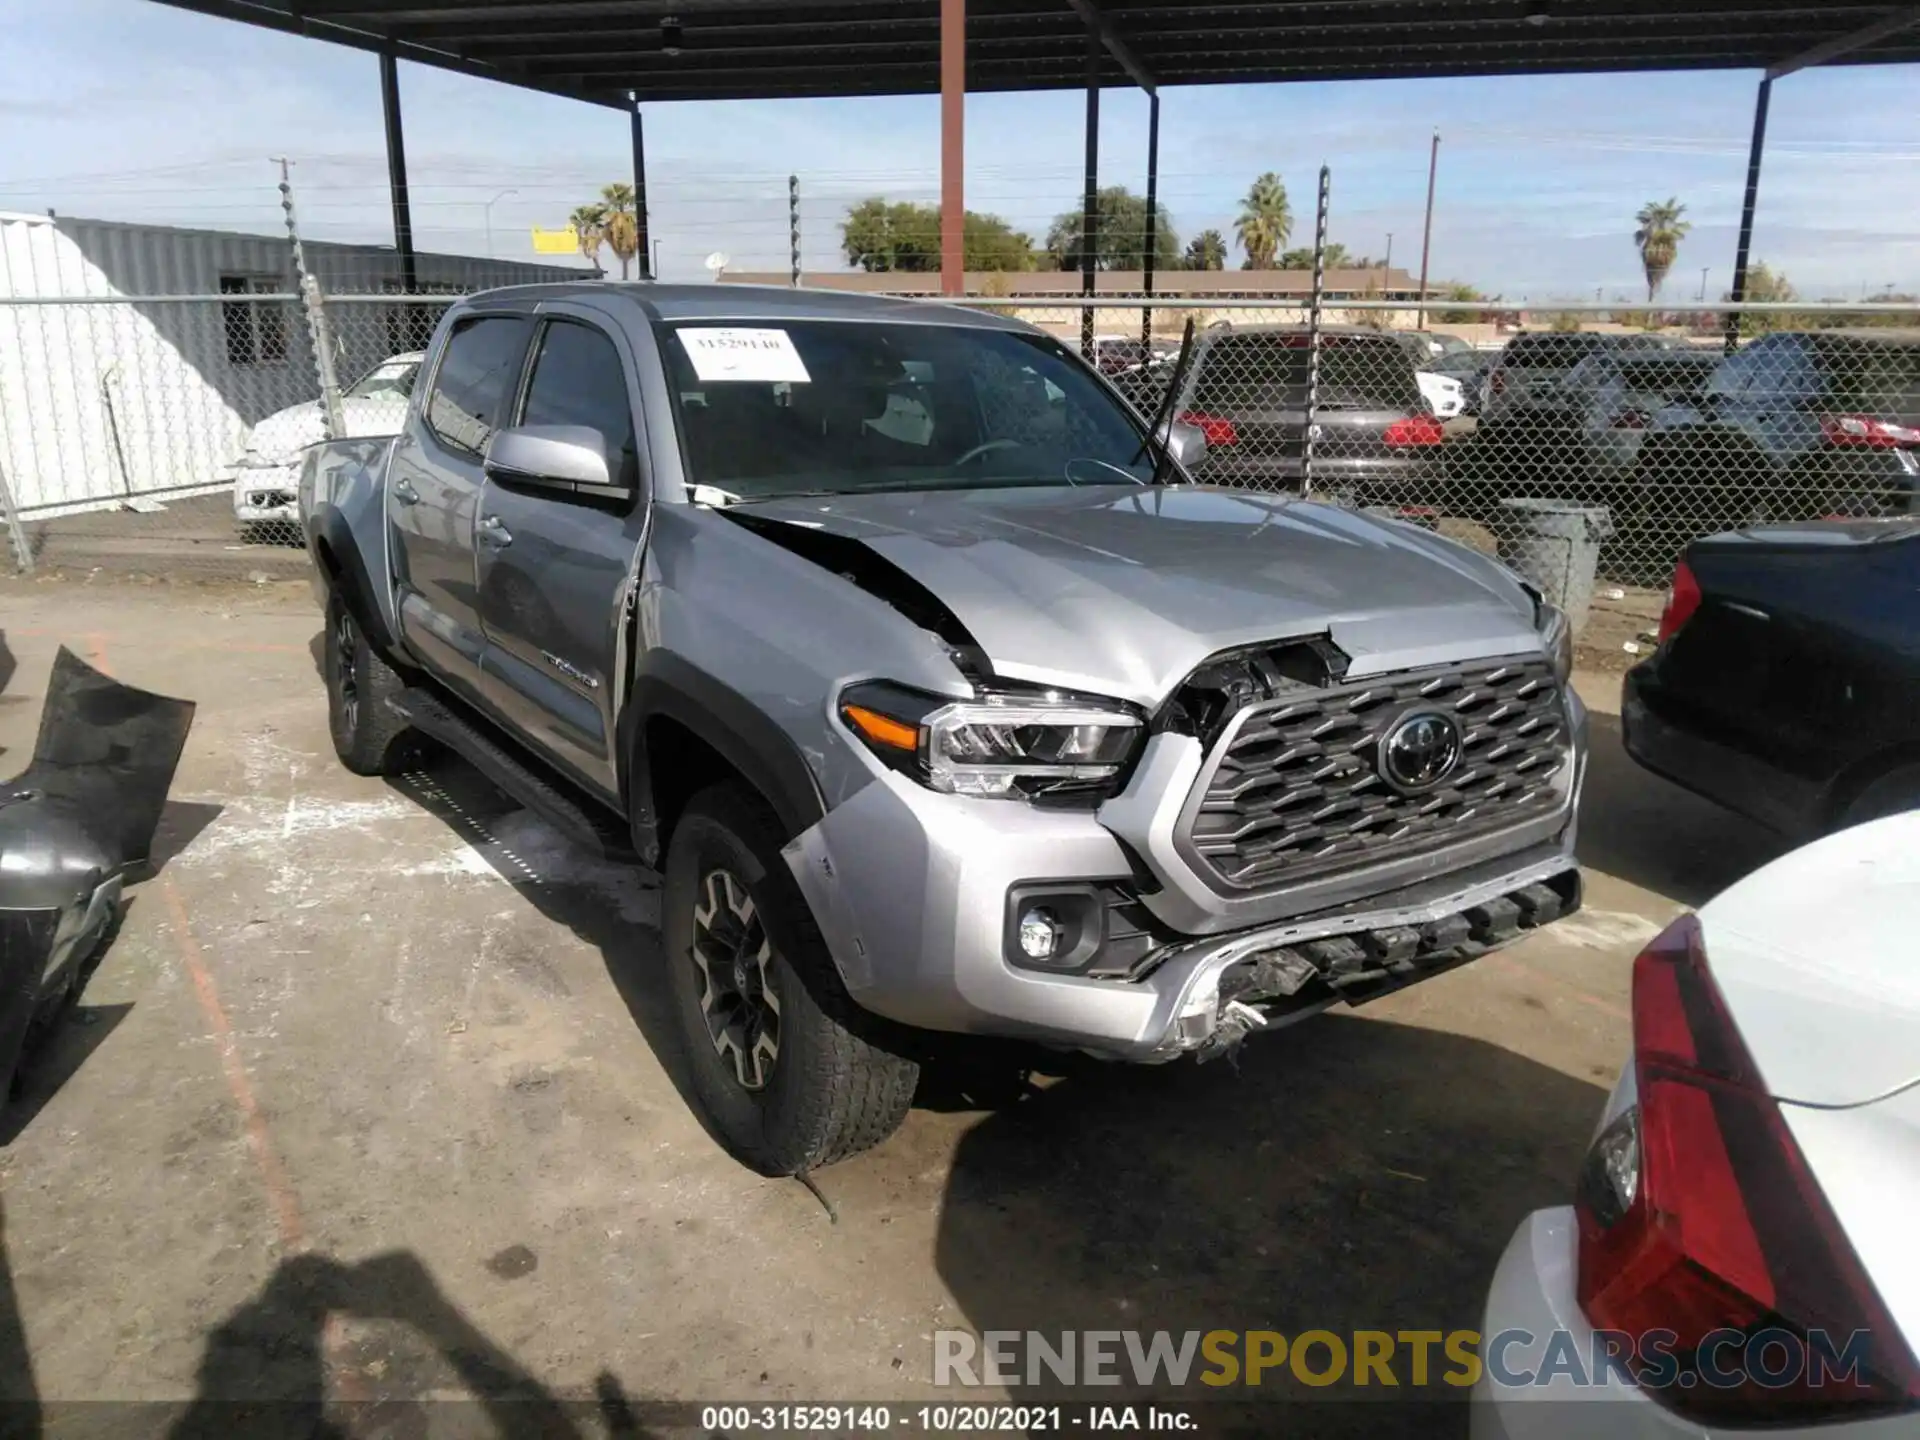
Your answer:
<point x="1265" y="221"/>
<point x="623" y="231"/>
<point x="1659" y="236"/>
<point x="1206" y="251"/>
<point x="589" y="223"/>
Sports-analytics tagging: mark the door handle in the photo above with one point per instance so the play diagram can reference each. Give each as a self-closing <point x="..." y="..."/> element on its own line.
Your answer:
<point x="405" y="493"/>
<point x="494" y="533"/>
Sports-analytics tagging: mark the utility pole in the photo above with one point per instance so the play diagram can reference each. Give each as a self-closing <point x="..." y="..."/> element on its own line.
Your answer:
<point x="330" y="407"/>
<point x="1703" y="283"/>
<point x="793" y="230"/>
<point x="1386" y="267"/>
<point x="1426" y="243"/>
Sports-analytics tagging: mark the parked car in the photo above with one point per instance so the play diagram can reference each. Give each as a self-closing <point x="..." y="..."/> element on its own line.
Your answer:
<point x="1741" y="1235"/>
<point x="1579" y="437"/>
<point x="1787" y="685"/>
<point x="1246" y="391"/>
<point x="1116" y="354"/>
<point x="1532" y="361"/>
<point x="900" y="645"/>
<point x="1793" y="426"/>
<point x="267" y="474"/>
<point x="1470" y="369"/>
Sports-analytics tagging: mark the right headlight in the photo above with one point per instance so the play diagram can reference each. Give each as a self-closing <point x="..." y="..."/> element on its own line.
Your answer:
<point x="1002" y="745"/>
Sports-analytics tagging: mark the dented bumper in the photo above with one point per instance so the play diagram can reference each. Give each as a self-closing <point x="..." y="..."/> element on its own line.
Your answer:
<point x="916" y="895"/>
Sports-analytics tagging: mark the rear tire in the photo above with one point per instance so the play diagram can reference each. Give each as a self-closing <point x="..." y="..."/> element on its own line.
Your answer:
<point x="784" y="1065"/>
<point x="1893" y="793"/>
<point x="368" y="736"/>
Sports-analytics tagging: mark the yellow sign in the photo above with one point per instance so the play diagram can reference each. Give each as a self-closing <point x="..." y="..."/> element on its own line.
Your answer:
<point x="556" y="242"/>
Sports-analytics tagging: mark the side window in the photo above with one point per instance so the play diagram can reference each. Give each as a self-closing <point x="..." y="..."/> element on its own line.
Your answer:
<point x="577" y="380"/>
<point x="481" y="365"/>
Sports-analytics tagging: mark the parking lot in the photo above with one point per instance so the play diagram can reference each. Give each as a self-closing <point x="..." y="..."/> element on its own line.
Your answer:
<point x="373" y="1096"/>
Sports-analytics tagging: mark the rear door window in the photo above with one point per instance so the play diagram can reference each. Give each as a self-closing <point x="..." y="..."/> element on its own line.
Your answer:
<point x="1784" y="370"/>
<point x="480" y="367"/>
<point x="577" y="380"/>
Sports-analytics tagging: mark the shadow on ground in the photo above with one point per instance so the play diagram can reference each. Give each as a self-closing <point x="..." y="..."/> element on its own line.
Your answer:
<point x="285" y="1364"/>
<point x="1649" y="832"/>
<point x="1357" y="1175"/>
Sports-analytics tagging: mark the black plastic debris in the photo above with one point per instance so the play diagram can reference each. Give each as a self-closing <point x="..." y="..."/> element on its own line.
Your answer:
<point x="74" y="826"/>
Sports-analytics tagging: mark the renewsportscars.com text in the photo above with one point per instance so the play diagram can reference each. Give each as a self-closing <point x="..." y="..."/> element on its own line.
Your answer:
<point x="1390" y="1359"/>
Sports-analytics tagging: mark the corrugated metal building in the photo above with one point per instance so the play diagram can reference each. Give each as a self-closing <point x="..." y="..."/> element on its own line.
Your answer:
<point x="137" y="394"/>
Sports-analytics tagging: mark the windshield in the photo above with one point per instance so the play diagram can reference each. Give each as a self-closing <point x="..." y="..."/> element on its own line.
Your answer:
<point x="832" y="406"/>
<point x="389" y="380"/>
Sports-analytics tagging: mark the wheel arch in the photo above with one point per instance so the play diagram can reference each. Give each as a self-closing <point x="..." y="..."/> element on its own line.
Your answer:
<point x="1853" y="781"/>
<point x="683" y="729"/>
<point x="341" y="561"/>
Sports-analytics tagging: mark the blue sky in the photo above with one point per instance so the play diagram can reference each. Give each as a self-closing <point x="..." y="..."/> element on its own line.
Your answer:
<point x="126" y="109"/>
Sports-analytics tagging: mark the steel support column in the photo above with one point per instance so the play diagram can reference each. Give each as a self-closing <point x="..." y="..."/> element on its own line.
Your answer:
<point x="1743" y="249"/>
<point x="397" y="172"/>
<point x="1090" y="208"/>
<point x="953" y="147"/>
<point x="1153" y="219"/>
<point x="644" y="247"/>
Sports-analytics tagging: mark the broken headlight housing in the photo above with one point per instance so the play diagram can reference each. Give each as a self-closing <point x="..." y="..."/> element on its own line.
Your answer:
<point x="1004" y="744"/>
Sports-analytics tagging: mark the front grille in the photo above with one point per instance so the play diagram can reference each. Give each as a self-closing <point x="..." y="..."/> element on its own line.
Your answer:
<point x="1297" y="790"/>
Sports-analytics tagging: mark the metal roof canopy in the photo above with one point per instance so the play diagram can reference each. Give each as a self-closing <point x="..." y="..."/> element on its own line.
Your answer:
<point x="600" y="50"/>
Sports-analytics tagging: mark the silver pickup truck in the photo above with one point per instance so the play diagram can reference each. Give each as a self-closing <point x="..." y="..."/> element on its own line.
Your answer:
<point x="944" y="702"/>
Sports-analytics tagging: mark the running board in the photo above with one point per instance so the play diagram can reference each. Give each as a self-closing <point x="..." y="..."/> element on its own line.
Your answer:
<point x="558" y="803"/>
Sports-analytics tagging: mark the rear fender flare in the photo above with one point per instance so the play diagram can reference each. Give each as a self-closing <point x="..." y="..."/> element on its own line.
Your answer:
<point x="337" y="552"/>
<point x="765" y="756"/>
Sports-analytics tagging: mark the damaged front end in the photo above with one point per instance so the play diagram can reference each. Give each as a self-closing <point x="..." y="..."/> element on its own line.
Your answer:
<point x="74" y="825"/>
<point x="1271" y="978"/>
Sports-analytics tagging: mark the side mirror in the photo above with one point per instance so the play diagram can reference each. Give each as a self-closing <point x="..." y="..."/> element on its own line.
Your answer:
<point x="1187" y="442"/>
<point x="560" y="457"/>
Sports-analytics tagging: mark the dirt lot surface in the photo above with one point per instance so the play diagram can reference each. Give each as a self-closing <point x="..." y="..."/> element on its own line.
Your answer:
<point x="373" y="1097"/>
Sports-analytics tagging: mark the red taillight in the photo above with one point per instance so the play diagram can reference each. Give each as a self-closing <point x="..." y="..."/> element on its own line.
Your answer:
<point x="1217" y="428"/>
<point x="1415" y="430"/>
<point x="1683" y="598"/>
<point x="1863" y="432"/>
<point x="1713" y="1227"/>
<point x="1631" y="420"/>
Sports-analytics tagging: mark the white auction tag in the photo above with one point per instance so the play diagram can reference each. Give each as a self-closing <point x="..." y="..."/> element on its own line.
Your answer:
<point x="732" y="353"/>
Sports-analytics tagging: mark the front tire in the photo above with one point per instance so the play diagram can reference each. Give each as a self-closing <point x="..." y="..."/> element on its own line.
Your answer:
<point x="367" y="736"/>
<point x="784" y="1065"/>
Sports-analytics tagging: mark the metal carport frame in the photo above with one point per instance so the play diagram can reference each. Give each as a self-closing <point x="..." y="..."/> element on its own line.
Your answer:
<point x="622" y="53"/>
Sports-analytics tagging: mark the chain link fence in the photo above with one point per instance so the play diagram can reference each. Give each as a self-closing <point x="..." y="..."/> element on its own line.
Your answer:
<point x="163" y="435"/>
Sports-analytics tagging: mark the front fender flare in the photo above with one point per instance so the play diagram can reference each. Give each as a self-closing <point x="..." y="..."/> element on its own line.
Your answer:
<point x="665" y="685"/>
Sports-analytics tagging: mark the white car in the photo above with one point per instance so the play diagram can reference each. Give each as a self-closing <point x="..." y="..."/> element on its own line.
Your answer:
<point x="1442" y="393"/>
<point x="266" y="477"/>
<point x="1744" y="1228"/>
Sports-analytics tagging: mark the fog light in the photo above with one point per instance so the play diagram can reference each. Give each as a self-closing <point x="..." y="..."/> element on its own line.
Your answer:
<point x="1039" y="933"/>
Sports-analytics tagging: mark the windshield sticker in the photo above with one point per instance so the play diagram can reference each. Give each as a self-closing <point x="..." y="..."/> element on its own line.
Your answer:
<point x="731" y="353"/>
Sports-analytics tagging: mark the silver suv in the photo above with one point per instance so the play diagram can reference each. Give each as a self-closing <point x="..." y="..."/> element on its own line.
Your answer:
<point x="942" y="699"/>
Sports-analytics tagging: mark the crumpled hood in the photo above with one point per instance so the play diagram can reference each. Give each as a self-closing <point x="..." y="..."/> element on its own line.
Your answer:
<point x="1122" y="591"/>
<point x="280" y="437"/>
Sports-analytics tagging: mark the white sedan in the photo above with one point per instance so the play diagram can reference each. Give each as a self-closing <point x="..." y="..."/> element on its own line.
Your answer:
<point x="1742" y="1250"/>
<point x="266" y="477"/>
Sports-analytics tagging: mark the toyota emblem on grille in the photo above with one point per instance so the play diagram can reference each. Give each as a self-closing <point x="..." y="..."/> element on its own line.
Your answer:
<point x="1420" y="751"/>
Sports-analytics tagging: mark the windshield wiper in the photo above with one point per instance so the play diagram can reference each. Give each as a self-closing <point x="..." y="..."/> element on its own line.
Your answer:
<point x="1164" y="415"/>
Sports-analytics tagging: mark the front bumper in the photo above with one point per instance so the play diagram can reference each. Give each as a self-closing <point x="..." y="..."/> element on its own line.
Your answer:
<point x="910" y="889"/>
<point x="266" y="492"/>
